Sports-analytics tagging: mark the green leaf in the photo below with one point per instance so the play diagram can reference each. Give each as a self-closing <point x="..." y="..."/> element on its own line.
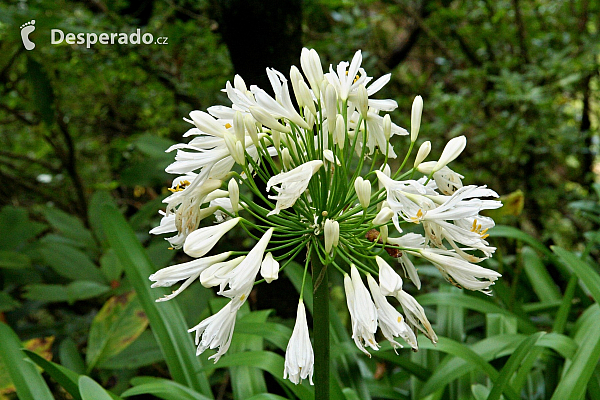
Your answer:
<point x="70" y="262"/>
<point x="144" y="351"/>
<point x="576" y="376"/>
<point x="267" y="361"/>
<point x="70" y="227"/>
<point x="111" y="266"/>
<point x="473" y="303"/>
<point x="501" y="384"/>
<point x="80" y="290"/>
<point x="15" y="224"/>
<point x="97" y="201"/>
<point x="517" y="234"/>
<point x="7" y="303"/>
<point x="541" y="281"/>
<point x="90" y="390"/>
<point x="479" y="391"/>
<point x="163" y="388"/>
<point x="120" y="321"/>
<point x="28" y="381"/>
<point x="14" y="260"/>
<point x="277" y="334"/>
<point x="166" y="319"/>
<point x="64" y="376"/>
<point x="70" y="356"/>
<point x="584" y="271"/>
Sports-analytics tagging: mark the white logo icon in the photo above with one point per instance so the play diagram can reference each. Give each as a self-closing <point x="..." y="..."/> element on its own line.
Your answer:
<point x="26" y="29"/>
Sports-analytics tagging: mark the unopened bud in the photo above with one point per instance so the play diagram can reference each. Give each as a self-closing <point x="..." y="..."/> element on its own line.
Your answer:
<point x="422" y="153"/>
<point x="234" y="194"/>
<point x="286" y="158"/>
<point x="363" y="191"/>
<point x="340" y="131"/>
<point x="383" y="216"/>
<point x="267" y="119"/>
<point x="415" y="118"/>
<point x="452" y="150"/>
<point x="332" y="234"/>
<point x="238" y="126"/>
<point x="389" y="281"/>
<point x="306" y="97"/>
<point x="387" y="127"/>
<point x="331" y="108"/>
<point x="250" y="124"/>
<point x="269" y="269"/>
<point x="362" y="101"/>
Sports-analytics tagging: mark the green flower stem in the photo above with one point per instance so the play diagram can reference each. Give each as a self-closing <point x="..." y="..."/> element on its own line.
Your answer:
<point x="320" y="327"/>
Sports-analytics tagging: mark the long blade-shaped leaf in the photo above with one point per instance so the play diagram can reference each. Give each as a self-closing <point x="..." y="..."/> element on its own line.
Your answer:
<point x="29" y="383"/>
<point x="166" y="319"/>
<point x="64" y="376"/>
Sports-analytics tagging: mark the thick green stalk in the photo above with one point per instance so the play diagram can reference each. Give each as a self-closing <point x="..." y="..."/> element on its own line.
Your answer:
<point x="320" y="327"/>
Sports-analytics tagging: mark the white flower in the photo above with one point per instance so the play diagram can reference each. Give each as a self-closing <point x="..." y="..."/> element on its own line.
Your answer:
<point x="202" y="240"/>
<point x="460" y="272"/>
<point x="390" y="320"/>
<point x="415" y="314"/>
<point x="409" y="240"/>
<point x="446" y="180"/>
<point x="293" y="184"/>
<point x="245" y="273"/>
<point x="345" y="80"/>
<point x="215" y="274"/>
<point x="362" y="311"/>
<point x="216" y="331"/>
<point x="390" y="281"/>
<point x="269" y="268"/>
<point x="383" y="216"/>
<point x="415" y="118"/>
<point x="299" y="356"/>
<point x="189" y="271"/>
<point x="452" y="150"/>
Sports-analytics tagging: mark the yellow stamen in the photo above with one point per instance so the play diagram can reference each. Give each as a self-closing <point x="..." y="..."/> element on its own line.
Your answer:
<point x="227" y="125"/>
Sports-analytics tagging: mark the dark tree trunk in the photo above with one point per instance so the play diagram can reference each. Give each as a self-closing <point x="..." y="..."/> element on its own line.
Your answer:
<point x="260" y="34"/>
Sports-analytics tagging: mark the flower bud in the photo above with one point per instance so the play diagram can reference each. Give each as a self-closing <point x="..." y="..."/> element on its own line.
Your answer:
<point x="362" y="102"/>
<point x="295" y="77"/>
<point x="311" y="66"/>
<point x="363" y="191"/>
<point x="331" y="108"/>
<point x="340" y="131"/>
<point x="276" y="136"/>
<point x="306" y="99"/>
<point x="238" y="127"/>
<point x="269" y="269"/>
<point x="239" y="84"/>
<point x="387" y="127"/>
<point x="383" y="233"/>
<point x="250" y="124"/>
<point x="383" y="216"/>
<point x="415" y="118"/>
<point x="452" y="150"/>
<point x="235" y="147"/>
<point x="234" y="194"/>
<point x="286" y="158"/>
<point x="309" y="117"/>
<point x="422" y="153"/>
<point x="389" y="281"/>
<point x="267" y="119"/>
<point x="332" y="234"/>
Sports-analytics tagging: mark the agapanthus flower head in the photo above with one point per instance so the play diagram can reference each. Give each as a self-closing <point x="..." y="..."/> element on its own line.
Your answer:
<point x="330" y="196"/>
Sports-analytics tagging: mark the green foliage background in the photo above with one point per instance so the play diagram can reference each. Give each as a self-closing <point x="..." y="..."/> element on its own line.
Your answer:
<point x="83" y="133"/>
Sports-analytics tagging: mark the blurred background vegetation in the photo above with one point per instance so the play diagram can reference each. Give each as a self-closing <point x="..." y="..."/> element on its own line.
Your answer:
<point x="84" y="127"/>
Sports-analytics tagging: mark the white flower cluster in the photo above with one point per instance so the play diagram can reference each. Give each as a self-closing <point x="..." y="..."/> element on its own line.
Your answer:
<point x="313" y="160"/>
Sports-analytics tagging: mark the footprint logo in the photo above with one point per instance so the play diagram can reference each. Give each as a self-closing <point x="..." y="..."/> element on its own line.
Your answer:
<point x="26" y="29"/>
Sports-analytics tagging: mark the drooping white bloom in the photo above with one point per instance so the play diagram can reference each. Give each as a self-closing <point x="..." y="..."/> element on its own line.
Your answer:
<point x="363" y="191"/>
<point x="299" y="356"/>
<point x="415" y="314"/>
<point x="446" y="180"/>
<point x="452" y="150"/>
<point x="293" y="184"/>
<point x="189" y="271"/>
<point x="216" y="331"/>
<point x="362" y="311"/>
<point x="390" y="320"/>
<point x="269" y="269"/>
<point x="389" y="280"/>
<point x="459" y="272"/>
<point x="332" y="234"/>
<point x="409" y="240"/>
<point x="415" y="118"/>
<point x="245" y="273"/>
<point x="202" y="240"/>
